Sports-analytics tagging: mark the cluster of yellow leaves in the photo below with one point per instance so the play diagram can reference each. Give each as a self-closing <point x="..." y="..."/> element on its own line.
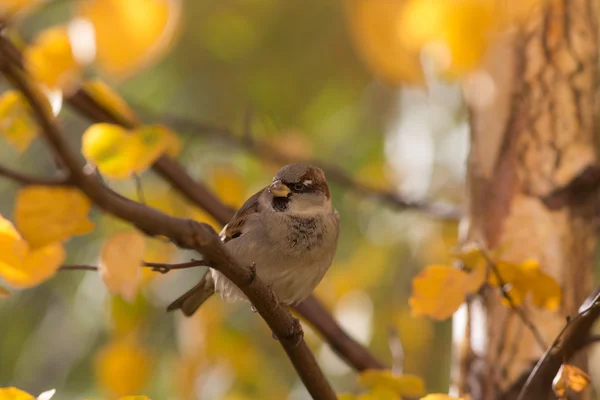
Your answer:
<point x="45" y="217"/>
<point x="118" y="153"/>
<point x="121" y="36"/>
<point x="439" y="290"/>
<point x="392" y="34"/>
<point x="569" y="377"/>
<point x="12" y="393"/>
<point x="386" y="385"/>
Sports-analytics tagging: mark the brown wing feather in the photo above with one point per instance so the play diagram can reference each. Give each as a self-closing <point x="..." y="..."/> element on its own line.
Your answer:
<point x="235" y="226"/>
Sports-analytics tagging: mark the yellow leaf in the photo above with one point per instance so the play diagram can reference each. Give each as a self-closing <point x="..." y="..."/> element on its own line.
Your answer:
<point x="119" y="153"/>
<point x="121" y="263"/>
<point x="439" y="396"/>
<point x="379" y="393"/>
<point x="38" y="265"/>
<point x="13" y="249"/>
<point x="130" y="34"/>
<point x="135" y="398"/>
<point x="45" y="214"/>
<point x="527" y="277"/>
<point x="439" y="290"/>
<point x="374" y="25"/>
<point x="108" y="98"/>
<point x="569" y="377"/>
<point x="229" y="186"/>
<point x="12" y="393"/>
<point x="123" y="367"/>
<point x="50" y="60"/>
<point x="17" y="124"/>
<point x="4" y="293"/>
<point x="404" y="384"/>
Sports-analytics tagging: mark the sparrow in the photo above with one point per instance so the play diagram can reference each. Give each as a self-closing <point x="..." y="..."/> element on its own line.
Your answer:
<point x="287" y="231"/>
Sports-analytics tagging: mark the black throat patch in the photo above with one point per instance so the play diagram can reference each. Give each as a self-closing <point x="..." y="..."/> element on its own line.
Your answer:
<point x="280" y="203"/>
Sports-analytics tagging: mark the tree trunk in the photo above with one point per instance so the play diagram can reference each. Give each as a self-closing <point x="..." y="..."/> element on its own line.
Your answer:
<point x="535" y="137"/>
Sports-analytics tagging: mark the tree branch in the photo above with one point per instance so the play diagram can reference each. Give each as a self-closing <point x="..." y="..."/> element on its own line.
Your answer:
<point x="264" y="150"/>
<point x="187" y="234"/>
<point x="26" y="179"/>
<point x="566" y="343"/>
<point x="174" y="173"/>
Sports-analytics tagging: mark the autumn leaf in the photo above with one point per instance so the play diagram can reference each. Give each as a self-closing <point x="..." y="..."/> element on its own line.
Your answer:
<point x="123" y="367"/>
<point x="229" y="186"/>
<point x="374" y="27"/>
<point x="439" y="396"/>
<point x="401" y="384"/>
<point x="439" y="290"/>
<point x="12" y="393"/>
<point x="135" y="398"/>
<point x="45" y="214"/>
<point x="569" y="377"/>
<point x="38" y="265"/>
<point x="110" y="100"/>
<point x="521" y="278"/>
<point x="131" y="34"/>
<point x="50" y="60"/>
<point x="17" y="124"/>
<point x="119" y="153"/>
<point x="121" y="263"/>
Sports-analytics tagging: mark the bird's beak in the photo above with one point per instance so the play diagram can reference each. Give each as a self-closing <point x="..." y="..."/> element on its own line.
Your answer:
<point x="278" y="189"/>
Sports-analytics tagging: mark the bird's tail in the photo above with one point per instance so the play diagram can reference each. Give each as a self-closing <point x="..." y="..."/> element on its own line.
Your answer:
<point x="193" y="298"/>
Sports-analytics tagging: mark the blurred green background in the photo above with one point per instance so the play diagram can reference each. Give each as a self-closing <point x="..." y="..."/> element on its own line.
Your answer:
<point x="294" y="66"/>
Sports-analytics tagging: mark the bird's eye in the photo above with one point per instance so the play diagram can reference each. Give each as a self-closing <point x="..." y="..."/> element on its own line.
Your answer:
<point x="298" y="187"/>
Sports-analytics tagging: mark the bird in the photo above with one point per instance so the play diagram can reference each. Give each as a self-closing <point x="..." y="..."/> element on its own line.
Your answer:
<point x="288" y="232"/>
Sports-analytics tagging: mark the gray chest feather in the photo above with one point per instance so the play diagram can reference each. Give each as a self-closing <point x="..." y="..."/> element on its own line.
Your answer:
<point x="305" y="234"/>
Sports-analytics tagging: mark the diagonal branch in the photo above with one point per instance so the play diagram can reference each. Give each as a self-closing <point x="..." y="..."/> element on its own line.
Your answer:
<point x="572" y="338"/>
<point x="185" y="233"/>
<point x="265" y="151"/>
<point x="174" y="173"/>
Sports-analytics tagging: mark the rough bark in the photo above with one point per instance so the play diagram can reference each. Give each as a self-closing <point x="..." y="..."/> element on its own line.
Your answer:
<point x="535" y="137"/>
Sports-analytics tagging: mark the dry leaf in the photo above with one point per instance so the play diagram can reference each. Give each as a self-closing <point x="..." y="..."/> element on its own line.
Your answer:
<point x="50" y="60"/>
<point x="12" y="393"/>
<point x="38" y="265"/>
<point x="439" y="290"/>
<point x="401" y="384"/>
<point x="122" y="366"/>
<point x="569" y="377"/>
<point x="46" y="214"/>
<point x="130" y="34"/>
<point x="17" y="124"/>
<point x="121" y="263"/>
<point x="119" y="153"/>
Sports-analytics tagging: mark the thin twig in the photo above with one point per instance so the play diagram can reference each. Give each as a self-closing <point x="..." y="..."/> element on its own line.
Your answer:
<point x="185" y="233"/>
<point x="26" y="179"/>
<point x="139" y="189"/>
<point x="158" y="267"/>
<point x="520" y="312"/>
<point x="578" y="326"/>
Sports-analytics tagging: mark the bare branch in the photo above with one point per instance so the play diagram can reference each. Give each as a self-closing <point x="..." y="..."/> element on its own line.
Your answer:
<point x="570" y="340"/>
<point x="264" y="150"/>
<point x="158" y="267"/>
<point x="26" y="179"/>
<point x="187" y="234"/>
